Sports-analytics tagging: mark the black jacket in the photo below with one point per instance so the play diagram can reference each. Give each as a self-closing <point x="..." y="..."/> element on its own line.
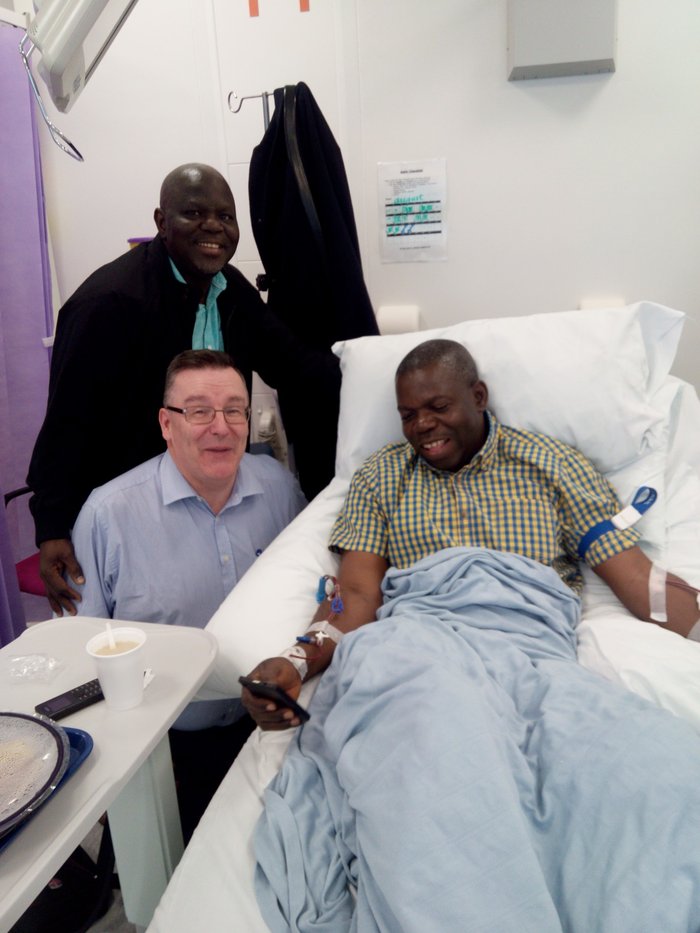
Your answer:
<point x="115" y="337"/>
<point x="304" y="227"/>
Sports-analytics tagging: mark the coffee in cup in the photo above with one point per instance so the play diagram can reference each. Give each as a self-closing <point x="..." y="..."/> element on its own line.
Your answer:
<point x="119" y="647"/>
<point x="118" y="658"/>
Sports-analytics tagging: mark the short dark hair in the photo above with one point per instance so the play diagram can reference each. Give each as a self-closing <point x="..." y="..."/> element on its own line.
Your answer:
<point x="447" y="353"/>
<point x="197" y="359"/>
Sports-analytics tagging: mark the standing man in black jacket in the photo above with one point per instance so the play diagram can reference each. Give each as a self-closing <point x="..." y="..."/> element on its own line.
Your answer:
<point x="114" y="340"/>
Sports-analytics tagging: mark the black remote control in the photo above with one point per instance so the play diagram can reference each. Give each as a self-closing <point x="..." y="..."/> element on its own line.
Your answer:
<point x="72" y="700"/>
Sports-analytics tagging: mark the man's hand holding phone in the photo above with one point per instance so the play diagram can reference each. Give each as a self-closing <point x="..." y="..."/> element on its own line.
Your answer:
<point x="270" y="692"/>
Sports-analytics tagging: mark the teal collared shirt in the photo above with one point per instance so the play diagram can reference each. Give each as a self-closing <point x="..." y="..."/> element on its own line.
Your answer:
<point x="207" y="326"/>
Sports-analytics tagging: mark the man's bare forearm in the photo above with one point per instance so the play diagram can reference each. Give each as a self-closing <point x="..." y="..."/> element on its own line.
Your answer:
<point x="359" y="585"/>
<point x="627" y="574"/>
<point x="359" y="588"/>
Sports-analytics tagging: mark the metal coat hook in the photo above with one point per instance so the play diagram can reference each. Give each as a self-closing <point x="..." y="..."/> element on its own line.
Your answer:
<point x="265" y="103"/>
<point x="58" y="137"/>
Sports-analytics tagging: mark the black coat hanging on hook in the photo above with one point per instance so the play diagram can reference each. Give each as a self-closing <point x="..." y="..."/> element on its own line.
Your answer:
<point x="304" y="227"/>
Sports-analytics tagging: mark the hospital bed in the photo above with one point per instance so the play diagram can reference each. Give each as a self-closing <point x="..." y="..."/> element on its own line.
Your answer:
<point x="598" y="380"/>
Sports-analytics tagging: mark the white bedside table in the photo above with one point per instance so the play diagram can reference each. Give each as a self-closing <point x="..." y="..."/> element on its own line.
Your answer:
<point x="128" y="773"/>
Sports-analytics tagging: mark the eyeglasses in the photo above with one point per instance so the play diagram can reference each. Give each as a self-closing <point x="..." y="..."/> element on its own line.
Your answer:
<point x="205" y="414"/>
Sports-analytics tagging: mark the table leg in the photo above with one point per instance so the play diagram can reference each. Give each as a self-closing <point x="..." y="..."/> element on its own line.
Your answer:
<point x="147" y="836"/>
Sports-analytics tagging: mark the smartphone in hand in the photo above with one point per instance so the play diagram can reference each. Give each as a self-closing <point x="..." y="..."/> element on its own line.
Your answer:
<point x="259" y="688"/>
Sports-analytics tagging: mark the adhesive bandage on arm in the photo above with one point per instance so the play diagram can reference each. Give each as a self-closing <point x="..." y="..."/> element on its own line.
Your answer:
<point x="296" y="656"/>
<point x="318" y="632"/>
<point x="657" y="594"/>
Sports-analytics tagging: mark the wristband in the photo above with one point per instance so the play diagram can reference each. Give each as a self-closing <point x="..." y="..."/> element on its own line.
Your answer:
<point x="643" y="499"/>
<point x="296" y="656"/>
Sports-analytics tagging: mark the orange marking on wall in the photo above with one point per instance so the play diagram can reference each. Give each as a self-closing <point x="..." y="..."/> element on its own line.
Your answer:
<point x="254" y="7"/>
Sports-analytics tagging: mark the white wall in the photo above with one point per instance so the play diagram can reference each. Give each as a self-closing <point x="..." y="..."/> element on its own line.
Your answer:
<point x="149" y="107"/>
<point x="558" y="190"/>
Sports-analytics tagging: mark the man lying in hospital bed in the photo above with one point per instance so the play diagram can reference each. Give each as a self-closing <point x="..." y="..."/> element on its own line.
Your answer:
<point x="535" y="843"/>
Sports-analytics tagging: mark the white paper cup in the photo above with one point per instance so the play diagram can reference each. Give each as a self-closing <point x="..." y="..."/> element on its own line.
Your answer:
<point x="119" y="670"/>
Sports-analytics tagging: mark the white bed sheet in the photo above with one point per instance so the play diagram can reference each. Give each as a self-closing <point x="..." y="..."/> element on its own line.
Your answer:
<point x="212" y="888"/>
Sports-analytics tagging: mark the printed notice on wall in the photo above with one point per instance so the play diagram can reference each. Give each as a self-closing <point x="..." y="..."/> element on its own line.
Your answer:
<point x="412" y="211"/>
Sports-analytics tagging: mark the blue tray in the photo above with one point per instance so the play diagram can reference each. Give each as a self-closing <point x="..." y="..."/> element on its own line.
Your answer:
<point x="80" y="743"/>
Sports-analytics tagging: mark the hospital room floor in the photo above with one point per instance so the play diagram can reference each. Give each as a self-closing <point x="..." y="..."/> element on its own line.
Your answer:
<point x="114" y="921"/>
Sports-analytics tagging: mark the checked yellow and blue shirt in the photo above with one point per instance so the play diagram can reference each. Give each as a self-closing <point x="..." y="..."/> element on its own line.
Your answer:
<point x="523" y="492"/>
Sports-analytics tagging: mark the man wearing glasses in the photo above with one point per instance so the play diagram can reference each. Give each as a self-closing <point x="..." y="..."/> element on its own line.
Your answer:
<point x="132" y="316"/>
<point x="167" y="541"/>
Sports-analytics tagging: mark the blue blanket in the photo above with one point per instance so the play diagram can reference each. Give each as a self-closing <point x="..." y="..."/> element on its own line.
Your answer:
<point x="465" y="774"/>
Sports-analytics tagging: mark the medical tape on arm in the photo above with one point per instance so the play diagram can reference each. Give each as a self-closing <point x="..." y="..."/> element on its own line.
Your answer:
<point x="296" y="656"/>
<point x="317" y="632"/>
<point x="657" y="594"/>
<point x="643" y="500"/>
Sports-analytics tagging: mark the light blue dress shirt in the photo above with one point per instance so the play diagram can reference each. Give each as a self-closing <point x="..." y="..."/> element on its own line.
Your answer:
<point x="152" y="550"/>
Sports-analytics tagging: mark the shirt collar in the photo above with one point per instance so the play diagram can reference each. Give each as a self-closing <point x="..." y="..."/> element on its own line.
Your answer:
<point x="485" y="458"/>
<point x="175" y="487"/>
<point x="216" y="286"/>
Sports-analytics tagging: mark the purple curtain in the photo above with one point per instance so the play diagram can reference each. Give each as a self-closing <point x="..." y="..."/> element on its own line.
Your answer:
<point x="11" y="614"/>
<point x="25" y="314"/>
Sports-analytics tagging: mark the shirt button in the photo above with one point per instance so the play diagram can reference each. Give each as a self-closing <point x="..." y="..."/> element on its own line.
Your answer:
<point x="226" y="558"/>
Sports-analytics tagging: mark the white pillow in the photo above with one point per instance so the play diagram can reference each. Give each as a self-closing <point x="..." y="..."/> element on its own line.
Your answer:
<point x="275" y="599"/>
<point x="585" y="377"/>
<point x="652" y="469"/>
